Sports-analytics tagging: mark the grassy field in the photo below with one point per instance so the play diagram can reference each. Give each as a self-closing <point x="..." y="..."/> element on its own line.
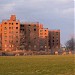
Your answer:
<point x="37" y="65"/>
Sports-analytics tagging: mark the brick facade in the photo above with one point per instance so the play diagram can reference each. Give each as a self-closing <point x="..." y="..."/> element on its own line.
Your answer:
<point x="27" y="36"/>
<point x="54" y="40"/>
<point x="10" y="34"/>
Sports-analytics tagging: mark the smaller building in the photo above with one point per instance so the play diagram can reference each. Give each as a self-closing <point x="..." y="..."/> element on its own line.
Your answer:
<point x="54" y="40"/>
<point x="43" y="39"/>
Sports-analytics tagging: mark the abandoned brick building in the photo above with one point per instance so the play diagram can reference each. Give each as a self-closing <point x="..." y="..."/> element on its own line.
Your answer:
<point x="15" y="35"/>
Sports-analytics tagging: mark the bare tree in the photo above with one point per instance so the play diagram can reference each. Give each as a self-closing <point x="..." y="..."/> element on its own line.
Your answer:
<point x="70" y="44"/>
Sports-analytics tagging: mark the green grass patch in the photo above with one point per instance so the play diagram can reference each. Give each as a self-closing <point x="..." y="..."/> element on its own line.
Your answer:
<point x="37" y="65"/>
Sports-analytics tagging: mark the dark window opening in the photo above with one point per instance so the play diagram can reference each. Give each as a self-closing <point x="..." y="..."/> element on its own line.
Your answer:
<point x="53" y="37"/>
<point x="16" y="23"/>
<point x="22" y="25"/>
<point x="5" y="23"/>
<point x="34" y="29"/>
<point x="29" y="42"/>
<point x="45" y="33"/>
<point x="9" y="23"/>
<point x="53" y="40"/>
<point x="16" y="27"/>
<point x="5" y="28"/>
<point x="9" y="27"/>
<point x="12" y="23"/>
<point x="35" y="38"/>
<point x="16" y="41"/>
<point x="29" y="24"/>
<point x="16" y="32"/>
<point x="57" y="43"/>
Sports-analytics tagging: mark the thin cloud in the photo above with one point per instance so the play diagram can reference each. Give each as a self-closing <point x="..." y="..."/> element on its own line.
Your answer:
<point x="68" y="11"/>
<point x="9" y="6"/>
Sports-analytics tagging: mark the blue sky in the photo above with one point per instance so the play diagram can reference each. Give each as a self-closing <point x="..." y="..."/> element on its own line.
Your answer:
<point x="53" y="14"/>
